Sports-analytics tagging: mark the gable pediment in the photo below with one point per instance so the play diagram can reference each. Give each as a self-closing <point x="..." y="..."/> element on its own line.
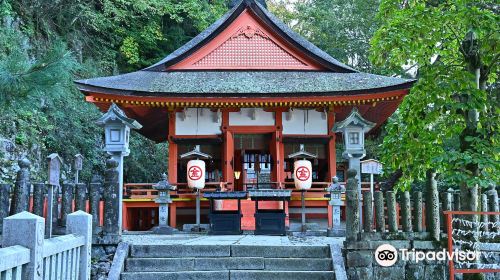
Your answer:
<point x="247" y="44"/>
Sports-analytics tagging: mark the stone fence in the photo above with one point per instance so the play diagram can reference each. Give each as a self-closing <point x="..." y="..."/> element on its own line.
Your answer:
<point x="415" y="223"/>
<point x="26" y="254"/>
<point x="100" y="199"/>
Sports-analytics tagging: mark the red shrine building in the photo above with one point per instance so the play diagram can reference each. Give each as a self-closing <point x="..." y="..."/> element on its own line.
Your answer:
<point x="248" y="91"/>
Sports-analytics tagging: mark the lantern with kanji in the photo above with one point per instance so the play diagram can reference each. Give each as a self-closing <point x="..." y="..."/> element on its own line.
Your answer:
<point x="302" y="168"/>
<point x="302" y="174"/>
<point x="196" y="174"/>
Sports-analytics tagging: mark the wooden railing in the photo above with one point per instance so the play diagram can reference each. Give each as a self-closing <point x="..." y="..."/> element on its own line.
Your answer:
<point x="146" y="190"/>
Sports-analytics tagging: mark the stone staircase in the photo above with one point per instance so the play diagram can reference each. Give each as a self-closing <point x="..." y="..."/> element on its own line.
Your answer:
<point x="159" y="262"/>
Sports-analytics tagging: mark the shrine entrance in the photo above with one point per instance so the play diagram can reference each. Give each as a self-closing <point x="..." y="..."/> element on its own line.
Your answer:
<point x="252" y="161"/>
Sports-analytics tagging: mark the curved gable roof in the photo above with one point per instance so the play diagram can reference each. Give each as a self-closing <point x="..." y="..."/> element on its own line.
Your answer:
<point x="280" y="28"/>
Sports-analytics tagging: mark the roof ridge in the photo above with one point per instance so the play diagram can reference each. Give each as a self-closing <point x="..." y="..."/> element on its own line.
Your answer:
<point x="271" y="20"/>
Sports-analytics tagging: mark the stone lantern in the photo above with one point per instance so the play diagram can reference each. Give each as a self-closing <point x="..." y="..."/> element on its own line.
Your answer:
<point x="354" y="128"/>
<point x="117" y="128"/>
<point x="335" y="189"/>
<point x="163" y="187"/>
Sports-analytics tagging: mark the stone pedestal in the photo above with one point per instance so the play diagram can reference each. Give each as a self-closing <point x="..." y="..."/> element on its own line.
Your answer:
<point x="352" y="207"/>
<point x="112" y="219"/>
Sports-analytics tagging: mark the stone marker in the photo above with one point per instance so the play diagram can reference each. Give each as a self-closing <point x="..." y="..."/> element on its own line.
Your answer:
<point x="379" y="211"/>
<point x="392" y="219"/>
<point x="406" y="211"/>
<point x="67" y="201"/>
<point x="94" y="201"/>
<point x="20" y="200"/>
<point x="432" y="206"/>
<point x="4" y="202"/>
<point x="456" y="201"/>
<point x="367" y="211"/>
<point x="352" y="206"/>
<point x="447" y="206"/>
<point x="39" y="191"/>
<point x="493" y="206"/>
<point x="418" y="212"/>
<point x="81" y="197"/>
<point x="484" y="208"/>
<point x="112" y="226"/>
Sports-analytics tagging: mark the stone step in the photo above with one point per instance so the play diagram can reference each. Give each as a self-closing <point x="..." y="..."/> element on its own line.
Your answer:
<point x="280" y="251"/>
<point x="183" y="275"/>
<point x="180" y="251"/>
<point x="227" y="263"/>
<point x="280" y="275"/>
<point x="233" y="275"/>
<point x="215" y="251"/>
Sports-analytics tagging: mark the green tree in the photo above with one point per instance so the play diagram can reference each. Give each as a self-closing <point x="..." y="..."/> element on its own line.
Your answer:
<point x="342" y="28"/>
<point x="450" y="119"/>
<point x="45" y="45"/>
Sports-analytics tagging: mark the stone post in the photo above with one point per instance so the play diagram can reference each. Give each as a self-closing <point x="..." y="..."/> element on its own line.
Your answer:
<point x="484" y="208"/>
<point x="20" y="200"/>
<point x="55" y="209"/>
<point x="379" y="211"/>
<point x="456" y="201"/>
<point x="67" y="201"/>
<point x="493" y="207"/>
<point x="352" y="206"/>
<point x="367" y="211"/>
<point x="418" y="212"/>
<point x="432" y="206"/>
<point x="447" y="206"/>
<point x="94" y="201"/>
<point x="112" y="221"/>
<point x="80" y="223"/>
<point x="27" y="230"/>
<point x="81" y="197"/>
<point x="39" y="191"/>
<point x="4" y="202"/>
<point x="392" y="219"/>
<point x="406" y="211"/>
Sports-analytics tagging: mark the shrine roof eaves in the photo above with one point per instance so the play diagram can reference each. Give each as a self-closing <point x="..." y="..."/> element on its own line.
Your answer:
<point x="278" y="26"/>
<point x="242" y="84"/>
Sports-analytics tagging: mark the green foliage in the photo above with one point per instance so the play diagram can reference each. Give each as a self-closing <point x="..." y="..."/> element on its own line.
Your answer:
<point x="430" y="126"/>
<point x="342" y="28"/>
<point x="45" y="45"/>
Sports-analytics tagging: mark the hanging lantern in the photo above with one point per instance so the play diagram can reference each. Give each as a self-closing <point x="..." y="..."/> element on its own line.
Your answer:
<point x="302" y="174"/>
<point x="196" y="174"/>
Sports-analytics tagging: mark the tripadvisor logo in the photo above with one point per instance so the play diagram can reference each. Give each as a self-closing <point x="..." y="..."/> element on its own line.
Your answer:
<point x="386" y="255"/>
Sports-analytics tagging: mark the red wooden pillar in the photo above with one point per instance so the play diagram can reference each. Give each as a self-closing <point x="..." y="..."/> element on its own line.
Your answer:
<point x="173" y="214"/>
<point x="172" y="149"/>
<point x="332" y="157"/>
<point x="277" y="149"/>
<point x="228" y="151"/>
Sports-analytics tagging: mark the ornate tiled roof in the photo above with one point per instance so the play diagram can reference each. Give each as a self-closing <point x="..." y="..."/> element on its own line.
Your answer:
<point x="237" y="83"/>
